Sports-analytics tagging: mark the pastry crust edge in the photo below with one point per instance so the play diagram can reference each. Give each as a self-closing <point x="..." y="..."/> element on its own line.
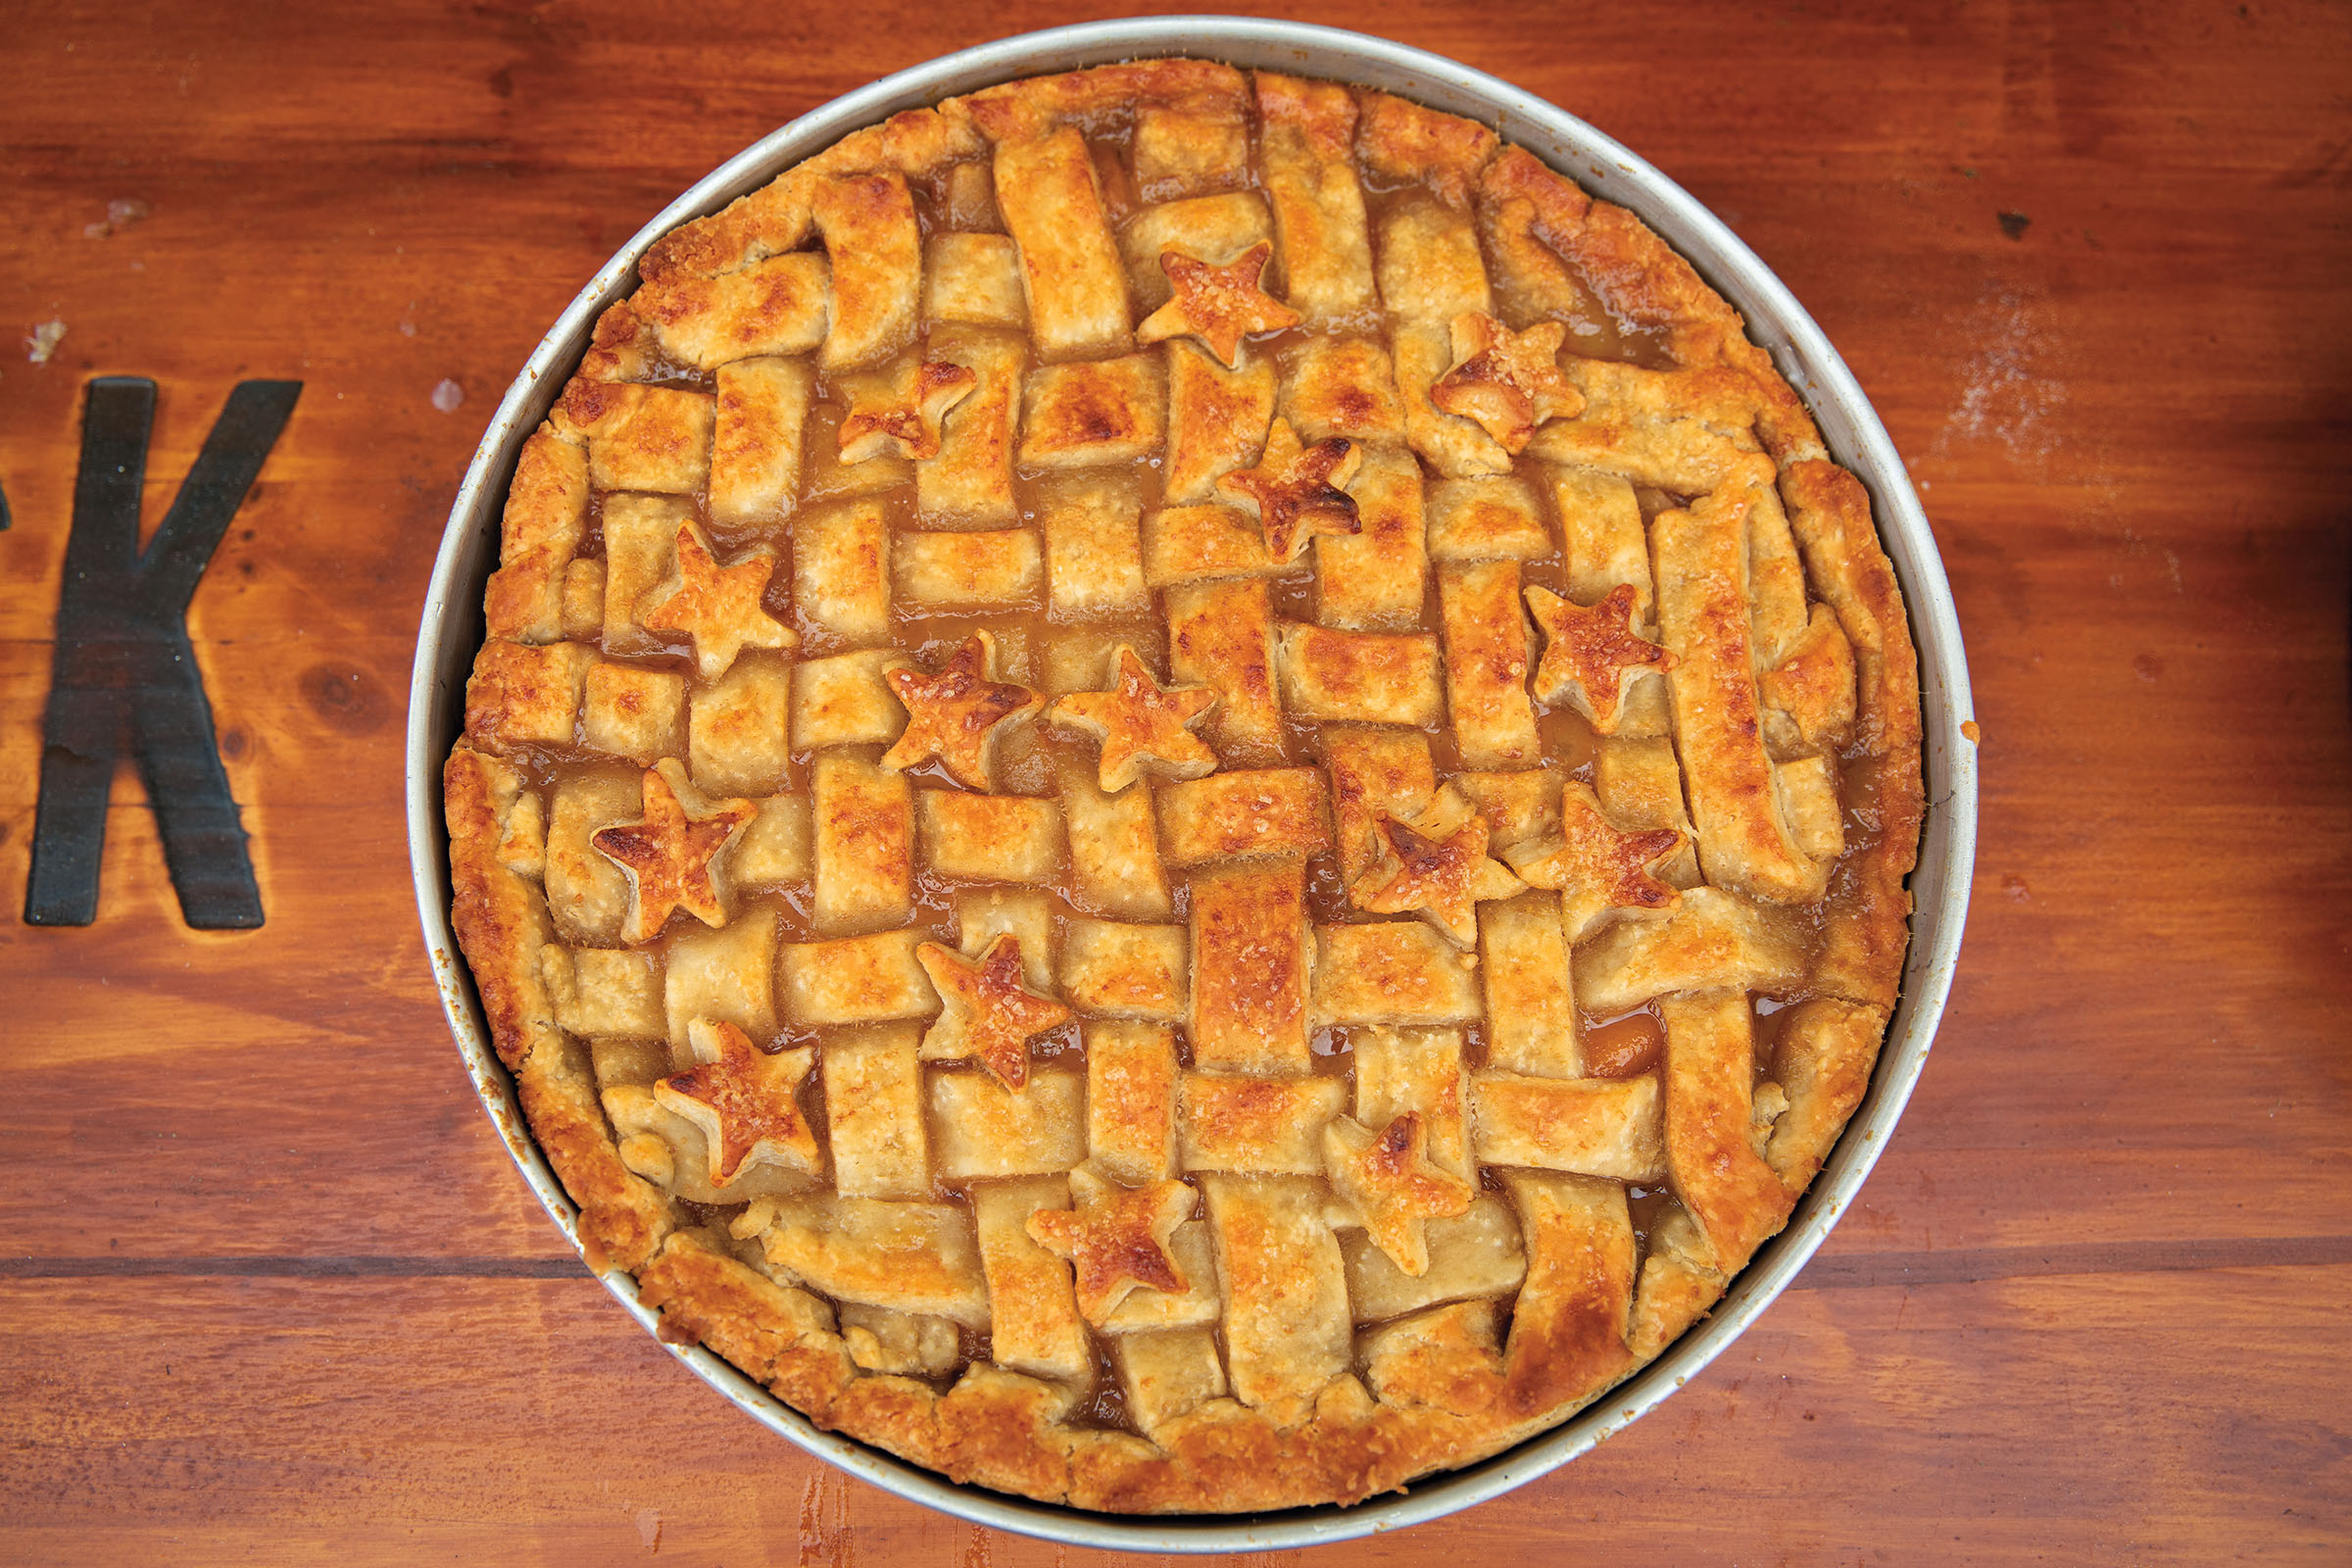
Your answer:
<point x="1000" y="1429"/>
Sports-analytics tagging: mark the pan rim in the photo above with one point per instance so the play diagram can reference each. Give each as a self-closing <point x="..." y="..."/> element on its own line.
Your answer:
<point x="451" y="629"/>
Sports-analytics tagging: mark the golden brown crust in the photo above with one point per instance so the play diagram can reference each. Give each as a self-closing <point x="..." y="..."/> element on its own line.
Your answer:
<point x="1106" y="94"/>
<point x="1004" y="1429"/>
<point x="500" y="918"/>
<point x="1868" y="930"/>
<point x="1710" y="1153"/>
<point x="1643" y="280"/>
<point x="1404" y="142"/>
<point x="1744" y="837"/>
<point x="778" y="216"/>
<point x="546" y="509"/>
<point x="1809" y="696"/>
<point x="623" y="1216"/>
<point x="522" y="695"/>
<point x="1319" y="1409"/>
<point x="1568" y="1326"/>
<point x="703" y="1294"/>
<point x="1823" y="1063"/>
<point x="778" y="305"/>
<point x="1250" y="967"/>
<point x="1050" y="196"/>
<point x="1307" y="145"/>
<point x="500" y="921"/>
<point x="1322" y="113"/>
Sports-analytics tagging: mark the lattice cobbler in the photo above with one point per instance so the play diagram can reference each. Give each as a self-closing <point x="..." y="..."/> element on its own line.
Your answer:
<point x="1189" y="793"/>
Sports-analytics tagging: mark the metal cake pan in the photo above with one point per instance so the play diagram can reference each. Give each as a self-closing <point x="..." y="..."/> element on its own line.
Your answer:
<point x="452" y="629"/>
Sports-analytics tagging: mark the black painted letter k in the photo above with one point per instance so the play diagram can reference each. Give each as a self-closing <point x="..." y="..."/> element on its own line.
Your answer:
<point x="125" y="679"/>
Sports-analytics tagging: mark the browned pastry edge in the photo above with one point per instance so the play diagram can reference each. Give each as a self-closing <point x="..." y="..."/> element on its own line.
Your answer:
<point x="500" y="921"/>
<point x="1460" y="1391"/>
<point x="1644" y="279"/>
<point x="1000" y="1429"/>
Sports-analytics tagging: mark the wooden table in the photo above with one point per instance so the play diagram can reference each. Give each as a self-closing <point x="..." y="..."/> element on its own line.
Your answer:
<point x="271" y="1286"/>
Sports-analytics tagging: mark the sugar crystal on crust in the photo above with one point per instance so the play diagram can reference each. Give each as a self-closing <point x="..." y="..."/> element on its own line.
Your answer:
<point x="1298" y="490"/>
<point x="1144" y="727"/>
<point x="904" y="414"/>
<point x="1219" y="305"/>
<point x="989" y="1014"/>
<point x="666" y="854"/>
<point x="954" y="712"/>
<point x="742" y="1097"/>
<point x="716" y="607"/>
<point x="1116" y="1239"/>
<point x="1593" y="655"/>
<point x="1392" y="1182"/>
<point x="1509" y="382"/>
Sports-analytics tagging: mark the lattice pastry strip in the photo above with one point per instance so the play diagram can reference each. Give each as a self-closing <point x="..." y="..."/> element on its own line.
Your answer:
<point x="1172" y="716"/>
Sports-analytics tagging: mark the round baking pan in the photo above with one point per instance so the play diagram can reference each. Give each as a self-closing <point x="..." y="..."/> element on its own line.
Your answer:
<point x="452" y="629"/>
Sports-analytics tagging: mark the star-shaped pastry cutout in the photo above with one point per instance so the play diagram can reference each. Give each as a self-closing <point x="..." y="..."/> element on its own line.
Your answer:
<point x="666" y="853"/>
<point x="1394" y="1184"/>
<point x="986" y="1012"/>
<point x="1437" y="865"/>
<point x="1295" y="490"/>
<point x="1509" y="382"/>
<point x="1116" y="1239"/>
<point x="954" y="712"/>
<point x="1593" y="656"/>
<point x="717" y="608"/>
<point x="1219" y="305"/>
<point x="742" y="1098"/>
<point x="1595" y="866"/>
<point x="905" y="412"/>
<point x="1142" y="725"/>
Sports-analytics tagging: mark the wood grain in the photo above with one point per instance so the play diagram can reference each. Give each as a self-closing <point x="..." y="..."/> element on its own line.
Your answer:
<point x="272" y="1290"/>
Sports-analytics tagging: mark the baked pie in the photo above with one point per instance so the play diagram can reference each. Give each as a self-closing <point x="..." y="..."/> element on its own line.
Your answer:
<point x="1189" y="793"/>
